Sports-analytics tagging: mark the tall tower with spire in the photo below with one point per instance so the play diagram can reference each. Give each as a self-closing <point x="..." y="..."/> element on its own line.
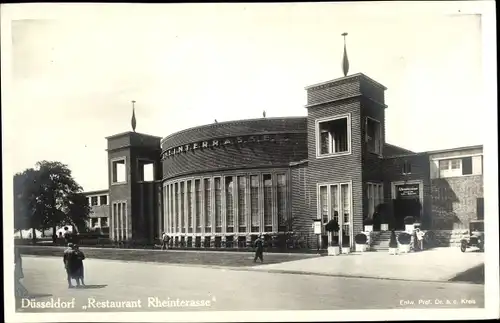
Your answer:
<point x="345" y="139"/>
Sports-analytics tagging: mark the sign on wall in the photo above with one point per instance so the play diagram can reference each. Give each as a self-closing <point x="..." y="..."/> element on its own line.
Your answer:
<point x="408" y="191"/>
<point x="317" y="226"/>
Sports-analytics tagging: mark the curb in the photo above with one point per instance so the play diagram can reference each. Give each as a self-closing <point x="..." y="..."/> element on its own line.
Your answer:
<point x="184" y="250"/>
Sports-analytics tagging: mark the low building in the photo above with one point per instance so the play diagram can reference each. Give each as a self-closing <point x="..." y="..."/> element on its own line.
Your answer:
<point x="99" y="203"/>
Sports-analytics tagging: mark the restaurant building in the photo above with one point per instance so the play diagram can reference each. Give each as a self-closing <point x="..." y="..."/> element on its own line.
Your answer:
<point x="223" y="184"/>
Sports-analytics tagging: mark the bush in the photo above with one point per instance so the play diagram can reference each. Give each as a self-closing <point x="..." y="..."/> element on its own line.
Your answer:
<point x="332" y="226"/>
<point x="360" y="238"/>
<point x="404" y="238"/>
<point x="368" y="221"/>
<point x="409" y="220"/>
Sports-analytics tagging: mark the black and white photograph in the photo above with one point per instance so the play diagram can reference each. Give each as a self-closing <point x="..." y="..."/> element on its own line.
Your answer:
<point x="250" y="161"/>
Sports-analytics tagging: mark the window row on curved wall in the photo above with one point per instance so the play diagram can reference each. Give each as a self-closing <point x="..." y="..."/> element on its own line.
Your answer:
<point x="227" y="204"/>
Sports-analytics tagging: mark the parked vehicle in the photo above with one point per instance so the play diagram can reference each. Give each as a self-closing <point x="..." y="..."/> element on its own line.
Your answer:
<point x="476" y="236"/>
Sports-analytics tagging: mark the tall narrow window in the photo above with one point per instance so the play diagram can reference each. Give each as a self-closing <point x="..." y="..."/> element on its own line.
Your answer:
<point x="197" y="188"/>
<point x="346" y="206"/>
<point x="120" y="222"/>
<point x="323" y="203"/>
<point x="281" y="196"/>
<point x="373" y="135"/>
<point x="189" y="206"/>
<point x="242" y="186"/>
<point x="181" y="207"/>
<point x="218" y="204"/>
<point x="375" y="196"/>
<point x="124" y="221"/>
<point x="208" y="205"/>
<point x="165" y="209"/>
<point x="334" y="202"/>
<point x="254" y="202"/>
<point x="268" y="203"/>
<point x="172" y="210"/>
<point x="114" y="220"/>
<point x="177" y="206"/>
<point x="229" y="204"/>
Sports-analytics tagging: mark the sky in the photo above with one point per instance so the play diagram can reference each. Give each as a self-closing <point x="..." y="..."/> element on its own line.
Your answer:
<point x="73" y="75"/>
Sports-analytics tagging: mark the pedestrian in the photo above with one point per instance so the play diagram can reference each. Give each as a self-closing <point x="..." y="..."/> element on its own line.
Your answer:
<point x="420" y="239"/>
<point x="78" y="272"/>
<point x="20" y="290"/>
<point x="164" y="241"/>
<point x="259" y="249"/>
<point x="68" y="263"/>
<point x="414" y="241"/>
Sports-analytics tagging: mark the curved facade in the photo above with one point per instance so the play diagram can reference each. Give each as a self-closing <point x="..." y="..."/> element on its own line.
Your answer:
<point x="226" y="181"/>
<point x="234" y="145"/>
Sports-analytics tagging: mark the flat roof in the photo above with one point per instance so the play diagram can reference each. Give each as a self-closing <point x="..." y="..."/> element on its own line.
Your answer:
<point x="95" y="192"/>
<point x="454" y="149"/>
<point x="131" y="132"/>
<point x="346" y="78"/>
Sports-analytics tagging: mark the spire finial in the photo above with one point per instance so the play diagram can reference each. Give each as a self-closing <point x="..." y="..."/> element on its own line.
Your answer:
<point x="345" y="60"/>
<point x="133" y="115"/>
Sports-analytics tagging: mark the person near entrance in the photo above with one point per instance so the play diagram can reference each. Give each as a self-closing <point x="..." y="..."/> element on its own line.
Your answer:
<point x="164" y="241"/>
<point x="420" y="239"/>
<point x="259" y="249"/>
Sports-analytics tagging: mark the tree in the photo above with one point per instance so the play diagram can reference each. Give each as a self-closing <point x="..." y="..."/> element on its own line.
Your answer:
<point x="50" y="197"/>
<point x="25" y="191"/>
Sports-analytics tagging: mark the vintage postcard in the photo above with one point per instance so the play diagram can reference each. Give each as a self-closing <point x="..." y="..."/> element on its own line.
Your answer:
<point x="250" y="162"/>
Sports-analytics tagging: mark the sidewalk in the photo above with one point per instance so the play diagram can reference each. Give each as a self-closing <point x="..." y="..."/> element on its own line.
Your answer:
<point x="439" y="265"/>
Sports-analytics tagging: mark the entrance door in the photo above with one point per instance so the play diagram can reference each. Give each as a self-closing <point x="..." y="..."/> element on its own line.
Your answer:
<point x="406" y="203"/>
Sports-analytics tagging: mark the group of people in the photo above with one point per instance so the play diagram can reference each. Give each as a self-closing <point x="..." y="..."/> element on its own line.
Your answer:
<point x="258" y="245"/>
<point x="73" y="263"/>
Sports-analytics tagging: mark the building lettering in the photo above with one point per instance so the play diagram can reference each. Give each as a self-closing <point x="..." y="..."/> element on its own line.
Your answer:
<point x="218" y="142"/>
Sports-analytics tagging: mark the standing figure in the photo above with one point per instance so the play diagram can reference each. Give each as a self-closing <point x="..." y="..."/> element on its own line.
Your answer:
<point x="68" y="260"/>
<point x="259" y="249"/>
<point x="20" y="290"/>
<point x="420" y="239"/>
<point x="79" y="256"/>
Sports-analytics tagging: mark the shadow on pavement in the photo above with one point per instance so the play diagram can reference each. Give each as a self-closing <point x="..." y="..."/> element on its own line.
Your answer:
<point x="91" y="286"/>
<point x="472" y="275"/>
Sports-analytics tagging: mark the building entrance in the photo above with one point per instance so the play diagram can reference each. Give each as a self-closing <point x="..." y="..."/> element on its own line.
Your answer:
<point x="406" y="203"/>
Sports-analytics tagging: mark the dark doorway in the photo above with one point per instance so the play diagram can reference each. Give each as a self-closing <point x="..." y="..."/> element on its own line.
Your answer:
<point x="404" y="208"/>
<point x="406" y="203"/>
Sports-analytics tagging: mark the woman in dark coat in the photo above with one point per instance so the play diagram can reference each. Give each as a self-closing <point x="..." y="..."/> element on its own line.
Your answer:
<point x="77" y="271"/>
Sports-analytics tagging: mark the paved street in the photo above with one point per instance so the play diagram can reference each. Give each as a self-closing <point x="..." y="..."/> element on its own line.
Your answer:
<point x="227" y="289"/>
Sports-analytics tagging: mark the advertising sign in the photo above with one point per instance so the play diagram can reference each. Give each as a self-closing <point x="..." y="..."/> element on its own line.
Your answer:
<point x="408" y="191"/>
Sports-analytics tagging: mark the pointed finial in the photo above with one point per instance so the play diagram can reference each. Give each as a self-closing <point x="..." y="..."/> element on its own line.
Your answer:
<point x="133" y="115"/>
<point x="345" y="60"/>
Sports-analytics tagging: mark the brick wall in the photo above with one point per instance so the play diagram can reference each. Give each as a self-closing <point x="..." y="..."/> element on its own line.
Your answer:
<point x="454" y="201"/>
<point x="337" y="168"/>
<point x="302" y="222"/>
